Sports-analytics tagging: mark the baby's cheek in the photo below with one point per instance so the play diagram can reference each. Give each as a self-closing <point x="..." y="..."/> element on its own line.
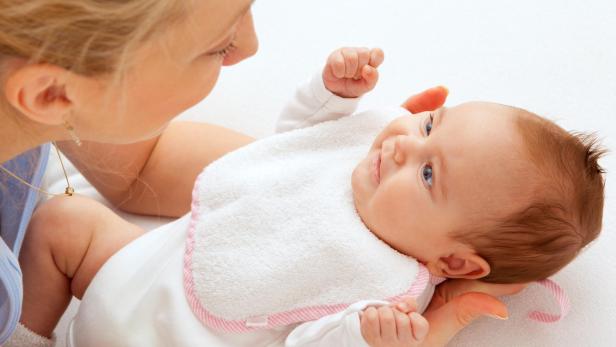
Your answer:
<point x="391" y="220"/>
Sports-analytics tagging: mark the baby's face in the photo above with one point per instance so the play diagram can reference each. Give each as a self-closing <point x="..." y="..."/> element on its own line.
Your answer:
<point x="433" y="173"/>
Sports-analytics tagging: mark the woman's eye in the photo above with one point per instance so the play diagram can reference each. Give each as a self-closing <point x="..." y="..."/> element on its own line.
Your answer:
<point x="429" y="125"/>
<point x="225" y="51"/>
<point x="426" y="175"/>
<point x="228" y="47"/>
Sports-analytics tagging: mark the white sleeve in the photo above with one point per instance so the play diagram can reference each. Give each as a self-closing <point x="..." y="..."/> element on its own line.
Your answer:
<point x="313" y="104"/>
<point x="340" y="329"/>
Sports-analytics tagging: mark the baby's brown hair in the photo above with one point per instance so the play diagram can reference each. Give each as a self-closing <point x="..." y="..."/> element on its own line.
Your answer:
<point x="563" y="214"/>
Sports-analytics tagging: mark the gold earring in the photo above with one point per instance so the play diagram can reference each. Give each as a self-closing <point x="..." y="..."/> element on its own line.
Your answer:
<point x="72" y="133"/>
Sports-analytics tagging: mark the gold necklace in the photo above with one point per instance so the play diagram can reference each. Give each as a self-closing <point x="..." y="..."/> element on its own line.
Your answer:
<point x="69" y="191"/>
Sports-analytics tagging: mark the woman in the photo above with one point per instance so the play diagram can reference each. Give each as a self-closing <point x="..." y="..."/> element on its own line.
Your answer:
<point x="103" y="79"/>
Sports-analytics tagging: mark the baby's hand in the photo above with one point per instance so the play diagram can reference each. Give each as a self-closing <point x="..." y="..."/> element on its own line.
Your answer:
<point x="398" y="326"/>
<point x="352" y="72"/>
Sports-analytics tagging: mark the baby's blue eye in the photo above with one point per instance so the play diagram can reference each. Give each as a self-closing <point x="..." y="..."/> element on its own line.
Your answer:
<point x="426" y="173"/>
<point x="429" y="125"/>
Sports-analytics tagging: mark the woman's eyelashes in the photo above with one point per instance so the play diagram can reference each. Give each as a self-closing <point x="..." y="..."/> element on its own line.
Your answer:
<point x="225" y="51"/>
<point x="228" y="45"/>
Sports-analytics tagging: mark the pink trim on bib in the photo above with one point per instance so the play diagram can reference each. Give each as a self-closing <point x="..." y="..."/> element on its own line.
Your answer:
<point x="298" y="315"/>
<point x="560" y="296"/>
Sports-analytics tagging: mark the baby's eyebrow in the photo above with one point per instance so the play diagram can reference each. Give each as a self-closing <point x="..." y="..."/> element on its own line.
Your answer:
<point x="441" y="166"/>
<point x="439" y="115"/>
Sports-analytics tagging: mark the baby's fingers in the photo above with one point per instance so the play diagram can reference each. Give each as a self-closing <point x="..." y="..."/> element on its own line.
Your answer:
<point x="388" y="323"/>
<point x="351" y="61"/>
<point x="370" y="329"/>
<point x="337" y="64"/>
<point x="363" y="54"/>
<point x="377" y="56"/>
<point x="403" y="326"/>
<point x="370" y="76"/>
<point x="419" y="326"/>
<point x="407" y="305"/>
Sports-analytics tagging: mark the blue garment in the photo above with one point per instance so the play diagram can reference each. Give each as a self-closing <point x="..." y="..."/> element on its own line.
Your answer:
<point x="17" y="202"/>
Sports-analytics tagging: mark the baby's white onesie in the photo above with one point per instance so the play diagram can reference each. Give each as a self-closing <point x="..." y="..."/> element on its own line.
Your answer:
<point x="138" y="298"/>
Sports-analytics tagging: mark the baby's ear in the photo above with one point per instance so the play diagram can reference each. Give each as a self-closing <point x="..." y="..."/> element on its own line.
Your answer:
<point x="464" y="265"/>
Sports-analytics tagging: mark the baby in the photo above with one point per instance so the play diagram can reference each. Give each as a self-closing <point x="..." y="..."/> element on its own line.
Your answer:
<point x="477" y="191"/>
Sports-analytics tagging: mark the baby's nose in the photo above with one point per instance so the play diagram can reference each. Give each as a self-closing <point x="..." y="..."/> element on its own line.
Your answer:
<point x="406" y="146"/>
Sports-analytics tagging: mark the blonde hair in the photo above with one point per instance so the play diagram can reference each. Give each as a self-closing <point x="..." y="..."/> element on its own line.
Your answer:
<point x="88" y="37"/>
<point x="562" y="216"/>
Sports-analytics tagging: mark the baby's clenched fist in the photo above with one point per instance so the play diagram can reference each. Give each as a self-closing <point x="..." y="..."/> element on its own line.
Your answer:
<point x="388" y="326"/>
<point x="351" y="72"/>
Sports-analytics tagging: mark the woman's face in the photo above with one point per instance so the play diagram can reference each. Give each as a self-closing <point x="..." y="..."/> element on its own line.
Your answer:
<point x="169" y="75"/>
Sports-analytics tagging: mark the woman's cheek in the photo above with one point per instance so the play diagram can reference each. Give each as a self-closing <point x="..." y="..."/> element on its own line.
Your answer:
<point x="202" y="81"/>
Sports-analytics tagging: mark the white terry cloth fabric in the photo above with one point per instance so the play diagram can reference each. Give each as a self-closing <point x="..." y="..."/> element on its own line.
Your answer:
<point x="24" y="337"/>
<point x="138" y="299"/>
<point x="276" y="239"/>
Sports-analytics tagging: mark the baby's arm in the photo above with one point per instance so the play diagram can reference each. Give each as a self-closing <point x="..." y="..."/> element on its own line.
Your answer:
<point x="366" y="323"/>
<point x="67" y="242"/>
<point x="348" y="74"/>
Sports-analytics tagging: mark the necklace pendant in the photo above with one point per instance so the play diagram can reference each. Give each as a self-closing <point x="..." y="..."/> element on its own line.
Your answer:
<point x="69" y="191"/>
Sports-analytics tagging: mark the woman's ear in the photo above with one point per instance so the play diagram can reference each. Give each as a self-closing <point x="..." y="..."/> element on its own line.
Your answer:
<point x="38" y="92"/>
<point x="463" y="265"/>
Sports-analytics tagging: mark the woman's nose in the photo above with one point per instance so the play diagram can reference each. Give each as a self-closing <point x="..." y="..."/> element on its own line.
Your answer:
<point x="246" y="43"/>
<point x="406" y="146"/>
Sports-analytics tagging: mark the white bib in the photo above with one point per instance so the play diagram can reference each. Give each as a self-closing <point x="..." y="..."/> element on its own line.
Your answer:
<point x="275" y="238"/>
